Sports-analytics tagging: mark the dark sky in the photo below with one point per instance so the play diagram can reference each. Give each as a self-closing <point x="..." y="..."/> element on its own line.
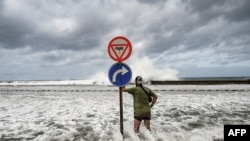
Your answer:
<point x="68" y="39"/>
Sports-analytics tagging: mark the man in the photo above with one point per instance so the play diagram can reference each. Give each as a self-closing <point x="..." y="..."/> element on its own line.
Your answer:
<point x="142" y="106"/>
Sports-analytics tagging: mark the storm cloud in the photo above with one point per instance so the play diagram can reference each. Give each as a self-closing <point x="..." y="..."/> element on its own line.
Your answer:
<point x="60" y="39"/>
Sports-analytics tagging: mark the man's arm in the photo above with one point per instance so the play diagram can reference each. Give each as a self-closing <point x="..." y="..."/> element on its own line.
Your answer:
<point x="154" y="100"/>
<point x="124" y="89"/>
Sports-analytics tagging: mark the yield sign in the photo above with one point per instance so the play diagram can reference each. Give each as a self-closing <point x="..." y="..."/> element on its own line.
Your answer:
<point x="119" y="48"/>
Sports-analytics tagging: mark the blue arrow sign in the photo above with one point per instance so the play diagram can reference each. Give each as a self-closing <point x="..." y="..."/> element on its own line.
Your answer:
<point x="120" y="74"/>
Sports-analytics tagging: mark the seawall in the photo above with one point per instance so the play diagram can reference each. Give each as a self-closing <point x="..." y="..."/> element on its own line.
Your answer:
<point x="199" y="82"/>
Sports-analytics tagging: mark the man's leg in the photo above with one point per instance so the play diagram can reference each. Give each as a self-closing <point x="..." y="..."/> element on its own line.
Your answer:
<point x="137" y="124"/>
<point x="147" y="124"/>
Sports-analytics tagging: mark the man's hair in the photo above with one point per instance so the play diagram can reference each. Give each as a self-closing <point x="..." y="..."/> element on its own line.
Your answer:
<point x="138" y="80"/>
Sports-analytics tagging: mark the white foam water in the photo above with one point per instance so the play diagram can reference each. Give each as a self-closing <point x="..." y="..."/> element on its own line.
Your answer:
<point x="91" y="113"/>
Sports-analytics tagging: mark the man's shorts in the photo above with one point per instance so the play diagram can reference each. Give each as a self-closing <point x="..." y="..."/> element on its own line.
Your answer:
<point x="142" y="117"/>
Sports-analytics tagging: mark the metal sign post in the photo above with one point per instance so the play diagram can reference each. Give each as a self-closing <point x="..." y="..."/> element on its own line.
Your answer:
<point x="119" y="49"/>
<point x="121" y="110"/>
<point x="120" y="75"/>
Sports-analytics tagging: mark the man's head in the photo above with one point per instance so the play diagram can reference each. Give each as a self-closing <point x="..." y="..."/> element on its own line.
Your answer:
<point x="138" y="81"/>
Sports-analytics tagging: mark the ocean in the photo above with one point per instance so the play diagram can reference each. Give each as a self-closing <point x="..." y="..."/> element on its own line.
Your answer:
<point x="91" y="112"/>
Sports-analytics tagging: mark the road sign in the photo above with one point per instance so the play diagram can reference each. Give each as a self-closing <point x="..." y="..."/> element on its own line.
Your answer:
<point x="120" y="74"/>
<point x="119" y="48"/>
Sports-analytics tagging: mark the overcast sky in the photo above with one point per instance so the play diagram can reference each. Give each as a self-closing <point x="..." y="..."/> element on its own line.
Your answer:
<point x="68" y="39"/>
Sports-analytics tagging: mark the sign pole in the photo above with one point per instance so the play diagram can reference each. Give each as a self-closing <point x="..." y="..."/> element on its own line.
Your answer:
<point x="121" y="110"/>
<point x="119" y="49"/>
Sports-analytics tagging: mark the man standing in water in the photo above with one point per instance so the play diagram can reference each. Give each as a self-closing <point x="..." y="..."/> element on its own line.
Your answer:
<point x="142" y="106"/>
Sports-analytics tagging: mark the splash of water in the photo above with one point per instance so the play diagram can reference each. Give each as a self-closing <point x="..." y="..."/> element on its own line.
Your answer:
<point x="147" y="68"/>
<point x="142" y="66"/>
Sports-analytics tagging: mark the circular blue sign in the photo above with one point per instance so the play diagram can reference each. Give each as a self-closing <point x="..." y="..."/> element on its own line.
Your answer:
<point x="120" y="74"/>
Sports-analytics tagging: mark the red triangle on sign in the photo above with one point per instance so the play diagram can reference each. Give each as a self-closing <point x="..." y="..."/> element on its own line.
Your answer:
<point x="119" y="48"/>
<point x="120" y="51"/>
